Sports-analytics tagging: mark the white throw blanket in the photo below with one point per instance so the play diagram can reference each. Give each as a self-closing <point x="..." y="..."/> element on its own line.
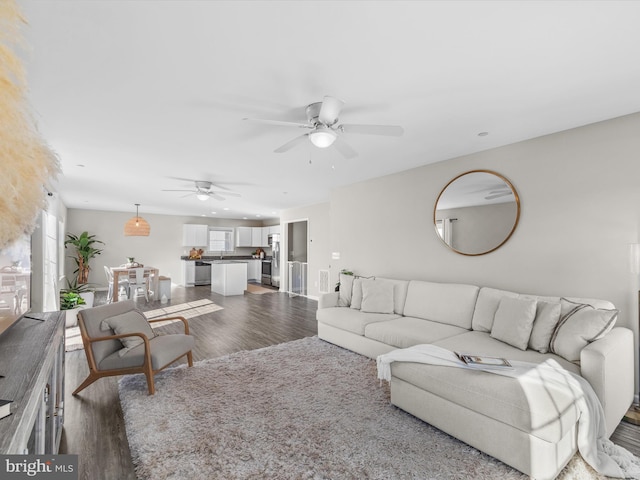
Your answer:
<point x="594" y="446"/>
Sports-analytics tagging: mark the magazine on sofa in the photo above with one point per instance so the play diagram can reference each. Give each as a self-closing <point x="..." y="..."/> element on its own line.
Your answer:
<point x="483" y="361"/>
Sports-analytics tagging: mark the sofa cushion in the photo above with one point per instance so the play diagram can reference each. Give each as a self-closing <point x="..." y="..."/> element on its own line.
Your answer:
<point x="406" y="332"/>
<point x="513" y="321"/>
<point x="547" y="415"/>
<point x="450" y="303"/>
<point x="345" y="290"/>
<point x="351" y="320"/>
<point x="578" y="327"/>
<point x="399" y="292"/>
<point x="547" y="316"/>
<point x="487" y="306"/>
<point x="377" y="297"/>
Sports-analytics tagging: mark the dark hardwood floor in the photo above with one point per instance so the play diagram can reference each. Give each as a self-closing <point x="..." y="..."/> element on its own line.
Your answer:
<point x="94" y="425"/>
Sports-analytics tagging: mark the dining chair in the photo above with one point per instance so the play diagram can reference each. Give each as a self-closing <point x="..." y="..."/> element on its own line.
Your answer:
<point x="123" y="285"/>
<point x="139" y="283"/>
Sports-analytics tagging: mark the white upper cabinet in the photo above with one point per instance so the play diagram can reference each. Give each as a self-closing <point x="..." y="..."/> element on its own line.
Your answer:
<point x="243" y="237"/>
<point x="195" y="235"/>
<point x="256" y="237"/>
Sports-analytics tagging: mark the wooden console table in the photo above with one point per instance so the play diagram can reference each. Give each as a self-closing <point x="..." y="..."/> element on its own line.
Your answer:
<point x="32" y="362"/>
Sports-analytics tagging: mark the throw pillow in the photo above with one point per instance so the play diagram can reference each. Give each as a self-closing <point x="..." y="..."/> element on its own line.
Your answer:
<point x="578" y="327"/>
<point x="377" y="296"/>
<point x="513" y="321"/>
<point x="346" y="289"/>
<point x="547" y="316"/>
<point x="356" y="294"/>
<point x="129" y="322"/>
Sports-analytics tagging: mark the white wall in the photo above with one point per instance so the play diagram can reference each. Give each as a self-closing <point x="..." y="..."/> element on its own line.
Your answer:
<point x="161" y="249"/>
<point x="580" y="194"/>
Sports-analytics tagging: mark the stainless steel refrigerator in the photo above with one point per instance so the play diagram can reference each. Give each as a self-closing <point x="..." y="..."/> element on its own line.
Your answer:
<point x="275" y="262"/>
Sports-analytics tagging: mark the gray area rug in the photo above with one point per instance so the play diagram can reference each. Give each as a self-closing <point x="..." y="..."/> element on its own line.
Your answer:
<point x="299" y="410"/>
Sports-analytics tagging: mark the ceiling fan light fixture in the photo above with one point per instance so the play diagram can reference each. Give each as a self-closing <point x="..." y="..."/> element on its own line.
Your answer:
<point x="322" y="137"/>
<point x="202" y="197"/>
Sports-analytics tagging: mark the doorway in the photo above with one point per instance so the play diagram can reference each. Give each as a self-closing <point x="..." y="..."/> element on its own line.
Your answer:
<point x="296" y="234"/>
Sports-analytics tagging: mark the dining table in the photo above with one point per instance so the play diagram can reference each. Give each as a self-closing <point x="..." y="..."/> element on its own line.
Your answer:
<point x="154" y="278"/>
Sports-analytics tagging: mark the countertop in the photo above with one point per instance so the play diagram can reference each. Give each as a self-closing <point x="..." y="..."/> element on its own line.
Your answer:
<point x="225" y="258"/>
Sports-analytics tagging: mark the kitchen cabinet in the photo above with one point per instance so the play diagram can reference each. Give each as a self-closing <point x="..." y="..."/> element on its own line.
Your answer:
<point x="254" y="270"/>
<point x="244" y="237"/>
<point x="256" y="237"/>
<point x="195" y="235"/>
<point x="188" y="273"/>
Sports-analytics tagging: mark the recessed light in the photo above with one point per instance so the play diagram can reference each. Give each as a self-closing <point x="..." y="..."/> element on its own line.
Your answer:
<point x="483" y="134"/>
<point x="203" y="215"/>
<point x="258" y="215"/>
<point x="244" y="218"/>
<point x="226" y="208"/>
<point x="213" y="213"/>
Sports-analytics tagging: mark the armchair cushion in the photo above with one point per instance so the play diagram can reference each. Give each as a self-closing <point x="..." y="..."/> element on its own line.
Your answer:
<point x="164" y="349"/>
<point x="129" y="322"/>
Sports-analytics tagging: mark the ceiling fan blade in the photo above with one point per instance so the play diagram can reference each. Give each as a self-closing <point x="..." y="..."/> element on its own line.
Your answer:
<point x="344" y="148"/>
<point x="498" y="195"/>
<point x="279" y="123"/>
<point x="289" y="145"/>
<point x="388" y="130"/>
<point x="330" y="110"/>
<point x="192" y="191"/>
<point x="216" y="196"/>
<point x="228" y="194"/>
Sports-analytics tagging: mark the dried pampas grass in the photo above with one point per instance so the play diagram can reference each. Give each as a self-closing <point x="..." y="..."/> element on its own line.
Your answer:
<point x="27" y="163"/>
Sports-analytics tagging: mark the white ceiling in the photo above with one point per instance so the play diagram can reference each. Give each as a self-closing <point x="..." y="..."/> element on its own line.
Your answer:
<point x="142" y="91"/>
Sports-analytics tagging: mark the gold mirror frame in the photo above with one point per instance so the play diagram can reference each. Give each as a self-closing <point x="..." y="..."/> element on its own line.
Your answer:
<point x="515" y="222"/>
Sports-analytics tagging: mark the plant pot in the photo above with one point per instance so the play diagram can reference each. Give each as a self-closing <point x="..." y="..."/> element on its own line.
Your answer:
<point x="88" y="298"/>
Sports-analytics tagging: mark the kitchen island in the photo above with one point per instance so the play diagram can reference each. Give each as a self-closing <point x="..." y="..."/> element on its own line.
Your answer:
<point x="229" y="277"/>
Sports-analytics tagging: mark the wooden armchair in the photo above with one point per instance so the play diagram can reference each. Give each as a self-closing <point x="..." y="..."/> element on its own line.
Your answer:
<point x="118" y="340"/>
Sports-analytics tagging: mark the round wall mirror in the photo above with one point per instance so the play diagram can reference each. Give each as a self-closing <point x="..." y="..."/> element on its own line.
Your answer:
<point x="476" y="212"/>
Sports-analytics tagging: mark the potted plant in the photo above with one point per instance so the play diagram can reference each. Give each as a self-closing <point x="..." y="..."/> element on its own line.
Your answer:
<point x="72" y="299"/>
<point x="85" y="245"/>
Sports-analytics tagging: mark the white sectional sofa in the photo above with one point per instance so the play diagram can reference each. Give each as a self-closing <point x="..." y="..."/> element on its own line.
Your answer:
<point x="533" y="431"/>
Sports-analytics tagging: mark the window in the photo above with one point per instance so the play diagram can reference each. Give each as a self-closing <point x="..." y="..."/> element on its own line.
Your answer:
<point x="221" y="239"/>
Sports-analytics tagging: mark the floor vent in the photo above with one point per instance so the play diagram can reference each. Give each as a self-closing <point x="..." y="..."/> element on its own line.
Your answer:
<point x="323" y="281"/>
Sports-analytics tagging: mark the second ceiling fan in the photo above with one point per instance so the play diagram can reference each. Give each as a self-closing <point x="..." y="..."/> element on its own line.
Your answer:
<point x="322" y="121"/>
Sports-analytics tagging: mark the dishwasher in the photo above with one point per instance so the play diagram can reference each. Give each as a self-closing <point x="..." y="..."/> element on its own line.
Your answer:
<point x="203" y="273"/>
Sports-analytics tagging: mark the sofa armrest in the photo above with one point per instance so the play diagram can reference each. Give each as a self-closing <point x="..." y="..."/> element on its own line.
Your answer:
<point x="328" y="300"/>
<point x="608" y="365"/>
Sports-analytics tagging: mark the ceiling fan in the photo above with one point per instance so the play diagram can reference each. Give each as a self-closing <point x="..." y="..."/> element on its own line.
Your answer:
<point x="203" y="191"/>
<point x="322" y="120"/>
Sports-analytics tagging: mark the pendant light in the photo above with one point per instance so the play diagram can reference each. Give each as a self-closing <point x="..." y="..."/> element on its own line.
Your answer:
<point x="137" y="226"/>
